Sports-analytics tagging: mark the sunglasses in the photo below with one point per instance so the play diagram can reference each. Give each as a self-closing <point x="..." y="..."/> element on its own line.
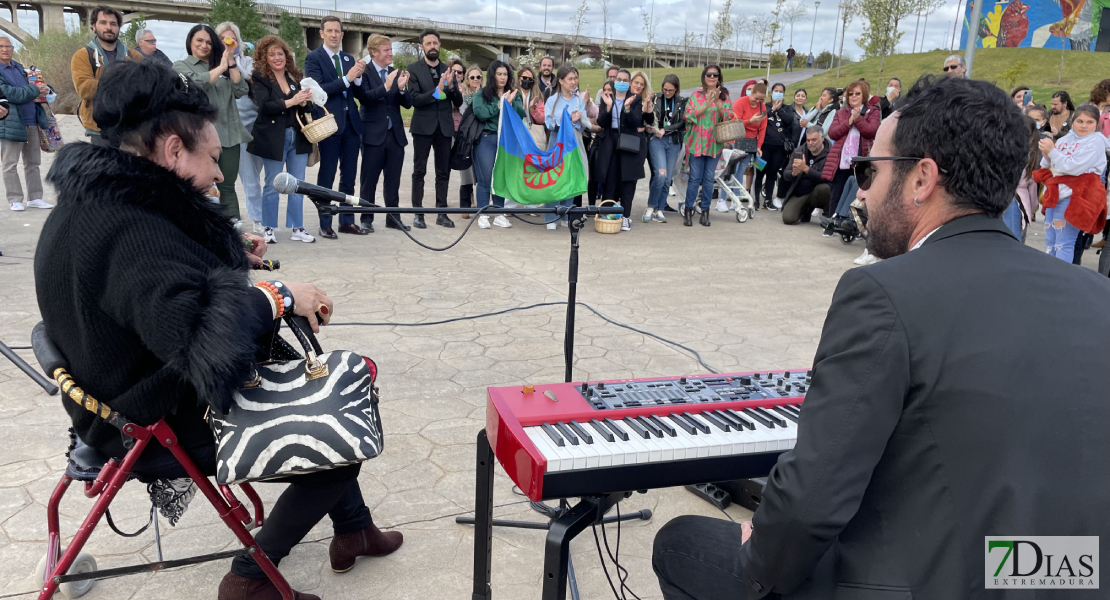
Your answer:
<point x="475" y="78"/>
<point x="528" y="79"/>
<point x="456" y="71"/>
<point x="713" y="75"/>
<point x="951" y="68"/>
<point x="863" y="168"/>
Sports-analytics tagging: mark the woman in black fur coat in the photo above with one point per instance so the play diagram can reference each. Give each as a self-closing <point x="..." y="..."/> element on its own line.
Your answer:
<point x="142" y="284"/>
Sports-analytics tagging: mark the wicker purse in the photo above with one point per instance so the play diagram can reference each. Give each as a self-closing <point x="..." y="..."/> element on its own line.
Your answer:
<point x="319" y="129"/>
<point x="604" y="224"/>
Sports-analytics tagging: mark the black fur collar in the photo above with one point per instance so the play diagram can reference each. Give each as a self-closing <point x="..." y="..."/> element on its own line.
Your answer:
<point x="83" y="173"/>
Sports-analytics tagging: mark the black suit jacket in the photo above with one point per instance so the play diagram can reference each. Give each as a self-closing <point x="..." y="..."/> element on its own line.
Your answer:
<point x="274" y="118"/>
<point x="319" y="66"/>
<point x="943" y="411"/>
<point x="427" y="112"/>
<point x="379" y="103"/>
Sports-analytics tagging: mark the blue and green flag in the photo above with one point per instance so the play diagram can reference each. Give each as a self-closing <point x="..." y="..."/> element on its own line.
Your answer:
<point x="528" y="175"/>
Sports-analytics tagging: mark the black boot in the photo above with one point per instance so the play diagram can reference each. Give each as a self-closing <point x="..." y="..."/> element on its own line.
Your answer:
<point x="704" y="218"/>
<point x="444" y="221"/>
<point x="418" y="222"/>
<point x="688" y="217"/>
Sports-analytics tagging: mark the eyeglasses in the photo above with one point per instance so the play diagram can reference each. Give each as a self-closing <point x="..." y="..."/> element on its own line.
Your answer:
<point x="475" y="78"/>
<point x="864" y="169"/>
<point x="456" y="71"/>
<point x="855" y="94"/>
<point x="948" y="68"/>
<point x="6" y="47"/>
<point x="150" y="41"/>
<point x="713" y="75"/>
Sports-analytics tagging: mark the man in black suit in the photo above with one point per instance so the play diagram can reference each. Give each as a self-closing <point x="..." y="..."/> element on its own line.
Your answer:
<point x="382" y="95"/>
<point x="434" y="96"/>
<point x="940" y="412"/>
<point x="336" y="72"/>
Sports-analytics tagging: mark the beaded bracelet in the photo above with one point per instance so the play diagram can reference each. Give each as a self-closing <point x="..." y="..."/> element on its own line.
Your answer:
<point x="270" y="299"/>
<point x="277" y="300"/>
<point x="285" y="293"/>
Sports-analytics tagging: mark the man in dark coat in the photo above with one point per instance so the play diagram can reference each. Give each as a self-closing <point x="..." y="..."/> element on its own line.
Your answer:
<point x="803" y="184"/>
<point x="382" y="94"/>
<point x="434" y="93"/>
<point x="940" y="414"/>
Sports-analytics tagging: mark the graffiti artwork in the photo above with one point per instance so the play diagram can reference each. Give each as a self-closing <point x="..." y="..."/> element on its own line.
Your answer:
<point x="1070" y="24"/>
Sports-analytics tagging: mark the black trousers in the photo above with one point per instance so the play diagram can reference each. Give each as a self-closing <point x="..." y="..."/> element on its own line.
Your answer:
<point x="799" y="208"/>
<point x="340" y="152"/>
<point x="698" y="558"/>
<point x="840" y="179"/>
<point x="421" y="146"/>
<point x="618" y="189"/>
<point x="765" y="180"/>
<point x="388" y="157"/>
<point x="466" y="195"/>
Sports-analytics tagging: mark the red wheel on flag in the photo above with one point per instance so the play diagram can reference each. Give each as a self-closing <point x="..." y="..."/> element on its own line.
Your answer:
<point x="538" y="173"/>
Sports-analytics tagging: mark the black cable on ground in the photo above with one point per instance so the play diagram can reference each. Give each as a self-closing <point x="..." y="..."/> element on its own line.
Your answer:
<point x="445" y="248"/>
<point x="697" y="355"/>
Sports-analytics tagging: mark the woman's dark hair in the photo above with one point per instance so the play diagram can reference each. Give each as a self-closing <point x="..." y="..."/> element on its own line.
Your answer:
<point x="1034" y="161"/>
<point x="563" y="72"/>
<point x="1036" y="107"/>
<point x="705" y="71"/>
<point x="1020" y="88"/>
<point x="802" y="90"/>
<point x="1065" y="98"/>
<point x="977" y="176"/>
<point x="779" y="85"/>
<point x="672" y="79"/>
<point x="1084" y="109"/>
<point x="520" y="73"/>
<point x="217" y="55"/>
<point x="139" y="102"/>
<point x="900" y="81"/>
<point x="457" y="61"/>
<point x="1101" y="92"/>
<point x="489" y="92"/>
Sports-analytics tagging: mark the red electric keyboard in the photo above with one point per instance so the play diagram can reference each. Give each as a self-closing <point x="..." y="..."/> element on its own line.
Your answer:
<point x="569" y="440"/>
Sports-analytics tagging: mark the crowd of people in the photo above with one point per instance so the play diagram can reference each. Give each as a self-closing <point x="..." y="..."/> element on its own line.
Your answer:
<point x="796" y="152"/>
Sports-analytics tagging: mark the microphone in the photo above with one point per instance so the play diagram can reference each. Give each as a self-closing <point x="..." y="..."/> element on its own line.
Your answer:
<point x="267" y="265"/>
<point x="285" y="183"/>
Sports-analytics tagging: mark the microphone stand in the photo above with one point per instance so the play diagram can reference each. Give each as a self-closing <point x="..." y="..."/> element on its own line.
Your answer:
<point x="565" y="521"/>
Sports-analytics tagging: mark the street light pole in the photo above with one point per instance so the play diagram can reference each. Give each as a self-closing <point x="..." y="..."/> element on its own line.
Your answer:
<point x="972" y="36"/>
<point x="836" y="27"/>
<point x="495" y="14"/>
<point x="545" y="16"/>
<point x="816" y="5"/>
<point x="705" y="40"/>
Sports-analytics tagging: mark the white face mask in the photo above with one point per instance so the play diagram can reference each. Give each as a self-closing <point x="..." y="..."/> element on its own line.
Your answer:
<point x="890" y="90"/>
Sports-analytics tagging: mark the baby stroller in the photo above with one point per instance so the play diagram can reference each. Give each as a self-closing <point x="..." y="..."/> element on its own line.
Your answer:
<point x="725" y="184"/>
<point x="71" y="571"/>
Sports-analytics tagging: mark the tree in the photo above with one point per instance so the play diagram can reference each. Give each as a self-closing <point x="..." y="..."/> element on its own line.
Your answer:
<point x="289" y="29"/>
<point x="848" y="9"/>
<point x="722" y="29"/>
<point x="1014" y="74"/>
<point x="768" y="28"/>
<point x="752" y="30"/>
<point x="773" y="27"/>
<point x="649" y="33"/>
<point x="606" y="43"/>
<point x="880" y="32"/>
<point x="689" y="38"/>
<point x="138" y="22"/>
<point x="243" y="13"/>
<point x="794" y="12"/>
<point x="739" y="22"/>
<point x="531" y="58"/>
<point x="577" y="22"/>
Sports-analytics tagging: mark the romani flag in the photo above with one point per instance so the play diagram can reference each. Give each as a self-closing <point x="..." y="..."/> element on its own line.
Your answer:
<point x="525" y="173"/>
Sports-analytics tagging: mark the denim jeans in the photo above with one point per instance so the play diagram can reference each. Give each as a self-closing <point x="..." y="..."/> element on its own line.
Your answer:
<point x="1013" y="220"/>
<point x="701" y="174"/>
<point x="1059" y="235"/>
<point x="844" y="203"/>
<point x="484" y="155"/>
<point x="664" y="154"/>
<point x="250" y="173"/>
<point x="295" y="164"/>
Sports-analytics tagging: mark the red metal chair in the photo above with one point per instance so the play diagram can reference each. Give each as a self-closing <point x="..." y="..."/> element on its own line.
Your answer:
<point x="103" y="478"/>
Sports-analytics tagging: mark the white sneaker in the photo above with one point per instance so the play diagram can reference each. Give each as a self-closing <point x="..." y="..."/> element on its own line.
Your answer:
<point x="302" y="235"/>
<point x="697" y="207"/>
<point x="721" y="206"/>
<point x="777" y="203"/>
<point x="866" y="258"/>
<point x="626" y="224"/>
<point x="237" y="224"/>
<point x="673" y="192"/>
<point x="552" y="226"/>
<point x="659" y="216"/>
<point x="483" y="222"/>
<point x="647" y="215"/>
<point x="268" y="235"/>
<point x="817" y="212"/>
<point x="564" y="222"/>
<point x="502" y="221"/>
<point x="17" y="206"/>
<point x="257" y="227"/>
<point x="38" y="203"/>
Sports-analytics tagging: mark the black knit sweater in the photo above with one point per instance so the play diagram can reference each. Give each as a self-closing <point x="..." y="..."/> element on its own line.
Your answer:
<point x="142" y="285"/>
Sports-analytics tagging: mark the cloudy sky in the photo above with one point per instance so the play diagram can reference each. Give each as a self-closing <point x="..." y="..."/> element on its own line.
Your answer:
<point x="673" y="18"/>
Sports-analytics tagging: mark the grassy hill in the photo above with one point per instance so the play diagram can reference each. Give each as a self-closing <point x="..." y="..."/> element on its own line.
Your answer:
<point x="1082" y="70"/>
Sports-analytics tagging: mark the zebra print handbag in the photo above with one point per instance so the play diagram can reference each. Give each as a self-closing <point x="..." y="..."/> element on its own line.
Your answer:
<point x="300" y="416"/>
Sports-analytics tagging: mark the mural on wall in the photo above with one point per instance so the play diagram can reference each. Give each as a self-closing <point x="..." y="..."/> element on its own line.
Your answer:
<point x="1071" y="24"/>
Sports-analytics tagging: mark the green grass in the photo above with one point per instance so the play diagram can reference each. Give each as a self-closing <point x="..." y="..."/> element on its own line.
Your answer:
<point x="1082" y="70"/>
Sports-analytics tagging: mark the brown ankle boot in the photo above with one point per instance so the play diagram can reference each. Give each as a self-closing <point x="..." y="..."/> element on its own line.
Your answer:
<point x="368" y="542"/>
<point x="235" y="587"/>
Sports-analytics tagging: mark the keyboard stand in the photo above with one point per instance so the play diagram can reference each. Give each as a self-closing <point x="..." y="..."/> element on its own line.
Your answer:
<point x="557" y="565"/>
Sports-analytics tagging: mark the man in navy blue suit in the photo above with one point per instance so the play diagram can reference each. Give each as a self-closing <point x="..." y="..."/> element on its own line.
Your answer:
<point x="382" y="94"/>
<point x="337" y="73"/>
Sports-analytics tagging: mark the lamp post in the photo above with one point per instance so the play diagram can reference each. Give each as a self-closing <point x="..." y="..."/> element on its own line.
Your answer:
<point x="545" y="16"/>
<point x="495" y="14"/>
<point x="816" y="5"/>
<point x="836" y="28"/>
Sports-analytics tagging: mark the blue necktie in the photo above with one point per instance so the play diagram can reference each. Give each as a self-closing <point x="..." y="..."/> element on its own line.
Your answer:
<point x="388" y="121"/>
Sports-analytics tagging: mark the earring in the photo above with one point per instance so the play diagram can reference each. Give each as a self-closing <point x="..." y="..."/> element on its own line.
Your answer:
<point x="916" y="203"/>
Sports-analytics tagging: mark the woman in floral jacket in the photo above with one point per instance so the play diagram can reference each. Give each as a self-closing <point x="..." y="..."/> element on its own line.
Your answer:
<point x="704" y="110"/>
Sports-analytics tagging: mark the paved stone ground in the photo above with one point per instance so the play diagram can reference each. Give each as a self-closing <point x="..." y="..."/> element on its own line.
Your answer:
<point x="747" y="296"/>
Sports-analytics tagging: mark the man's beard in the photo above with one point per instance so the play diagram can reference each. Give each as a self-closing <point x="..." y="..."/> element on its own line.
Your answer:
<point x="107" y="36"/>
<point x="1056" y="111"/>
<point x="432" y="54"/>
<point x="546" y="72"/>
<point x="889" y="235"/>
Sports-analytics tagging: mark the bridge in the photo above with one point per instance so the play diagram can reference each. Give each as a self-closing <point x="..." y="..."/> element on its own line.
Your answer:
<point x="479" y="43"/>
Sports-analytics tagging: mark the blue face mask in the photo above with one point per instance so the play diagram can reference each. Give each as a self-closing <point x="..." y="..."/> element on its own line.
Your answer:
<point x="621" y="87"/>
<point x="50" y="97"/>
<point x="776" y="96"/>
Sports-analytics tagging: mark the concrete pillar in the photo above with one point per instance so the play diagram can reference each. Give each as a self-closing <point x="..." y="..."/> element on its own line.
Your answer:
<point x="312" y="38"/>
<point x="15" y="14"/>
<point x="51" y="17"/>
<point x="353" y="43"/>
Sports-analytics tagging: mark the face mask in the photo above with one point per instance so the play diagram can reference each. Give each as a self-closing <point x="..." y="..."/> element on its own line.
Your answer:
<point x="1040" y="125"/>
<point x="50" y="97"/>
<point x="890" y="90"/>
<point x="526" y="83"/>
<point x="776" y="96"/>
<point x="621" y="87"/>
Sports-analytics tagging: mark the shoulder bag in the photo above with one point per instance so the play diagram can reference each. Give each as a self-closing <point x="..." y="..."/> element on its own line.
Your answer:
<point x="299" y="415"/>
<point x="627" y="142"/>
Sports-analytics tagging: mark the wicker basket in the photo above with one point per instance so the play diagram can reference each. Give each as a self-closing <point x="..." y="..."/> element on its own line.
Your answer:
<point x="728" y="130"/>
<point x="320" y="129"/>
<point x="607" y="225"/>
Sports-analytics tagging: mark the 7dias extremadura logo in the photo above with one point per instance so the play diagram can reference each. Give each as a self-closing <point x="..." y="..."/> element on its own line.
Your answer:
<point x="1042" y="562"/>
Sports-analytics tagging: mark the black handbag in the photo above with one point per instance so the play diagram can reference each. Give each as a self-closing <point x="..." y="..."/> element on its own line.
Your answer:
<point x="629" y="143"/>
<point x="298" y="416"/>
<point x="748" y="145"/>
